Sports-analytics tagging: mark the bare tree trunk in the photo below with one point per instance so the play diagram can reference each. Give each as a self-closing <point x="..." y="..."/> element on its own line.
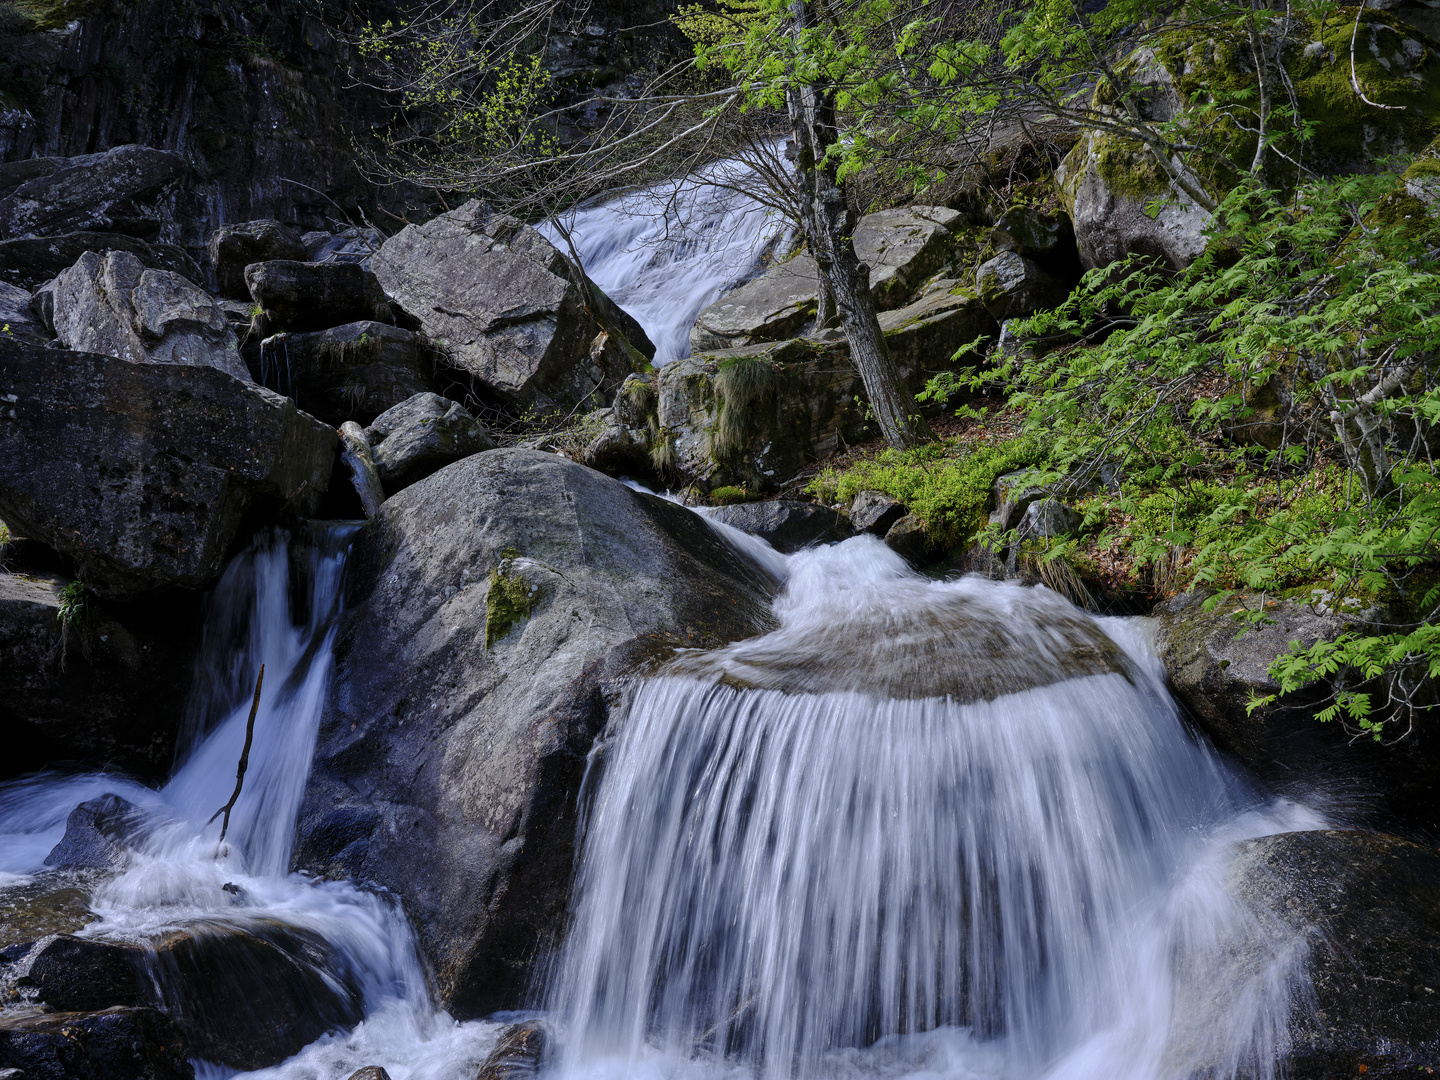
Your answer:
<point x="829" y="226"/>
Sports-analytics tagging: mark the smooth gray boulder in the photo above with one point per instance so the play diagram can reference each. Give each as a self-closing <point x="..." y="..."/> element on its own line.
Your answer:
<point x="1217" y="661"/>
<point x="234" y="247"/>
<point x="350" y="372"/>
<point x="902" y="247"/>
<point x="505" y="306"/>
<point x="908" y="539"/>
<point x="99" y="835"/>
<point x="492" y="612"/>
<point x="113" y="304"/>
<point x="130" y="190"/>
<point x="420" y="435"/>
<point x="1365" y="904"/>
<point x="17" y="318"/>
<point x="1045" y="518"/>
<point x="144" y="473"/>
<point x="1013" y="286"/>
<point x="1049" y="239"/>
<point x="874" y="512"/>
<point x="301" y="296"/>
<point x="31" y="262"/>
<point x="785" y="525"/>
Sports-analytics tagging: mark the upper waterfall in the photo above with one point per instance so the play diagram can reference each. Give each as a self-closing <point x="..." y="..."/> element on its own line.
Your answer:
<point x="665" y="252"/>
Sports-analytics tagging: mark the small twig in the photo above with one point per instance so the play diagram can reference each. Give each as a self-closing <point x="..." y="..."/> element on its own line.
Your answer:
<point x="244" y="764"/>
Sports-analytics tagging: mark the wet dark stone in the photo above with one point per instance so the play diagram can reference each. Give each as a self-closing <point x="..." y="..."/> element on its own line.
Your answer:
<point x="874" y="512"/>
<point x="519" y="1053"/>
<point x="302" y="296"/>
<point x="787" y="526"/>
<point x="76" y="974"/>
<point x="98" y="834"/>
<point x="114" y="1044"/>
<point x="234" y="247"/>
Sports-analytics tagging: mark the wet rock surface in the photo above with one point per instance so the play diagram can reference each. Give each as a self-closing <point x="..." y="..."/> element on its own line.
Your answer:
<point x="787" y="526"/>
<point x="113" y="304"/>
<point x="107" y="690"/>
<point x="99" y="834"/>
<point x="420" y="435"/>
<point x="527" y="587"/>
<point x="144" y="473"/>
<point x="1215" y="670"/>
<point x="114" y="1044"/>
<point x="351" y="372"/>
<point x="17" y="318"/>
<point x="874" y="512"/>
<point x="1366" y="903"/>
<point x="506" y="307"/>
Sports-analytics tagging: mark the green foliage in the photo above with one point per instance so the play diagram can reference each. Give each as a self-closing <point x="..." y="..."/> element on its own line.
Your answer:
<point x="728" y="495"/>
<point x="744" y="389"/>
<point x="948" y="485"/>
<point x="74" y="616"/>
<point x="1317" y="297"/>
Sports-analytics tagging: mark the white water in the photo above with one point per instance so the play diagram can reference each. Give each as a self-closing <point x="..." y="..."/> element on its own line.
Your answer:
<point x="666" y="252"/>
<point x="844" y="875"/>
<point x="835" y="884"/>
<point x="180" y="874"/>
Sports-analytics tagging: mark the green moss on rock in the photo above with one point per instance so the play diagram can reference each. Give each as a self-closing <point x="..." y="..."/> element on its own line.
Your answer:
<point x="509" y="599"/>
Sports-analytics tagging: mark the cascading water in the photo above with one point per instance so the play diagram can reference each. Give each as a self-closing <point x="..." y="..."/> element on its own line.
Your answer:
<point x="179" y="878"/>
<point x="807" y="859"/>
<point x="664" y="253"/>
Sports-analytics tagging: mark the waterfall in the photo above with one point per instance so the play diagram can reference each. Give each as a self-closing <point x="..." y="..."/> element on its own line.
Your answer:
<point x="798" y="864"/>
<point x="277" y="604"/>
<point x="665" y="252"/>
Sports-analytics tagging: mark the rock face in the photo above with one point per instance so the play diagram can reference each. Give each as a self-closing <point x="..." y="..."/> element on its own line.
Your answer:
<point x="30" y="263"/>
<point x="130" y="190"/>
<point x="144" y="473"/>
<point x="139" y="1044"/>
<point x="491" y="609"/>
<point x="1367" y="904"/>
<point x="17" y="319"/>
<point x="787" y="526"/>
<point x="350" y="372"/>
<point x="755" y="416"/>
<point x="902" y="248"/>
<point x="421" y="435"/>
<point x="1215" y="670"/>
<point x="302" y="296"/>
<point x="1013" y="286"/>
<point x="505" y="306"/>
<point x="874" y="512"/>
<point x="112" y="304"/>
<point x="97" y="691"/>
<point x="234" y="247"/>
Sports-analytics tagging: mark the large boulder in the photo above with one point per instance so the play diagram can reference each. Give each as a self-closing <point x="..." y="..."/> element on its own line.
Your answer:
<point x="353" y="245"/>
<point x="130" y="190"/>
<point x="351" y="372"/>
<point x="245" y="994"/>
<point x="1217" y="663"/>
<point x="234" y="247"/>
<point x="1013" y="286"/>
<point x="421" y="435"/>
<point x="17" y="317"/>
<point x="300" y="296"/>
<point x="902" y="248"/>
<point x="29" y="263"/>
<point x="509" y="309"/>
<point x="143" y="474"/>
<point x="1366" y="903"/>
<point x="787" y="526"/>
<point x="490" y="611"/>
<point x="134" y="1044"/>
<point x="113" y="304"/>
<point x="755" y="416"/>
<point x="104" y="687"/>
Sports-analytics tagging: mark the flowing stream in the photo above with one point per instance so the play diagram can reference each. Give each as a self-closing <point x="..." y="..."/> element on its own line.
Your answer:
<point x="922" y="829"/>
<point x="666" y="252"/>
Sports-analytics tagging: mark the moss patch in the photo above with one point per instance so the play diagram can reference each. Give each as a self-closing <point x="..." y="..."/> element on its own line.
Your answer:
<point x="509" y="599"/>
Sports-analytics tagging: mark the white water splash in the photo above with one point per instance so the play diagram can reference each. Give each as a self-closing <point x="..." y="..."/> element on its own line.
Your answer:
<point x="666" y="252"/>
<point x="825" y="884"/>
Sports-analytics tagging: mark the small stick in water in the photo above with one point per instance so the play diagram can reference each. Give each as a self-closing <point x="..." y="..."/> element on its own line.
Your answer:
<point x="244" y="763"/>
